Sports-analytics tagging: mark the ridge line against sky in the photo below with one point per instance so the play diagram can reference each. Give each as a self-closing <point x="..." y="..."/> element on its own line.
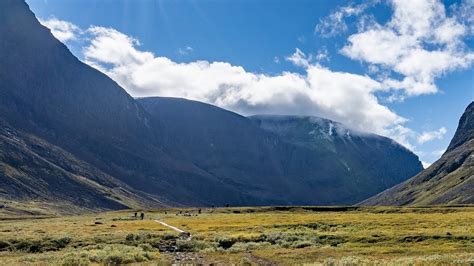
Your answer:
<point x="401" y="57"/>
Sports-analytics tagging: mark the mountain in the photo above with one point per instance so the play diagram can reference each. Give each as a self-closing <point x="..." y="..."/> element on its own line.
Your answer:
<point x="44" y="176"/>
<point x="73" y="140"/>
<point x="373" y="162"/>
<point x="47" y="92"/>
<point x="450" y="180"/>
<point x="282" y="159"/>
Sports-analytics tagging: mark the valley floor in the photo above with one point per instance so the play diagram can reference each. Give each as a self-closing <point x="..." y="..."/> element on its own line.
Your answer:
<point x="267" y="235"/>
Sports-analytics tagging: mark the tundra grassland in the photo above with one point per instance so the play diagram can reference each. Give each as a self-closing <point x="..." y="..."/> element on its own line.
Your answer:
<point x="437" y="235"/>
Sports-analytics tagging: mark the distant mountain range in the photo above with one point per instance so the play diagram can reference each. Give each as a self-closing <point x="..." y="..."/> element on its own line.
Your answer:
<point x="73" y="139"/>
<point x="450" y="180"/>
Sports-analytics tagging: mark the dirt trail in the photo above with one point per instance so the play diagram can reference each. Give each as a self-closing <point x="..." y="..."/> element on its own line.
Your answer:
<point x="172" y="227"/>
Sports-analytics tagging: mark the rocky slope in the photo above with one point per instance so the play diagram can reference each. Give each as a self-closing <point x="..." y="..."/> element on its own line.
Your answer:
<point x="45" y="176"/>
<point x="450" y="180"/>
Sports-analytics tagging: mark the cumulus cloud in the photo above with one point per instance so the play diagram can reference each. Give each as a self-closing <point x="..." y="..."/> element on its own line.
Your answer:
<point x="431" y="135"/>
<point x="62" y="30"/>
<point x="420" y="43"/>
<point x="341" y="96"/>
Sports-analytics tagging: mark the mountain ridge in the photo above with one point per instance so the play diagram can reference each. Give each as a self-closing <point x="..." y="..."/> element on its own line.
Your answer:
<point x="449" y="180"/>
<point x="206" y="132"/>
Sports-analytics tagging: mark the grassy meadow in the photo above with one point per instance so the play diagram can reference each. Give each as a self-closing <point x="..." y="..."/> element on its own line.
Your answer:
<point x="266" y="235"/>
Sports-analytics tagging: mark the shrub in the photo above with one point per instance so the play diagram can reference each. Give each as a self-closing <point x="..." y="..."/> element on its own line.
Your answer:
<point x="169" y="236"/>
<point x="36" y="246"/>
<point x="130" y="238"/>
<point x="5" y="246"/>
<point x="118" y="254"/>
<point x="224" y="242"/>
<point x="76" y="259"/>
<point x="191" y="245"/>
<point x="301" y="244"/>
<point x="146" y="247"/>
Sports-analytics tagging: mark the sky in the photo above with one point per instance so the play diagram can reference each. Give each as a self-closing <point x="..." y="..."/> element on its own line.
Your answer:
<point x="402" y="69"/>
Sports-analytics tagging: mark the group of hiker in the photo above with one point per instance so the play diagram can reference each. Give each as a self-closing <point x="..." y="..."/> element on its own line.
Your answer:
<point x="188" y="213"/>
<point x="180" y="213"/>
<point x="142" y="215"/>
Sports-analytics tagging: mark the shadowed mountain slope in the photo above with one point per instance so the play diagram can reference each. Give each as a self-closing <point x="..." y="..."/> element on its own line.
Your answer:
<point x="450" y="180"/>
<point x="36" y="172"/>
<point x="372" y="162"/>
<point x="299" y="169"/>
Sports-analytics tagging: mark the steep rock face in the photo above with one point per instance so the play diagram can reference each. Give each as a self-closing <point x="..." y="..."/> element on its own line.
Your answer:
<point x="450" y="180"/>
<point x="465" y="130"/>
<point x="272" y="157"/>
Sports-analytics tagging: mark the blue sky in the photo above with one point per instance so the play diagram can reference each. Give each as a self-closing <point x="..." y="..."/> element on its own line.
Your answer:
<point x="414" y="93"/>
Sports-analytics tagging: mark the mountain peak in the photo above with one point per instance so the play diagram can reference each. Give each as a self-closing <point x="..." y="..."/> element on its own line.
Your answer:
<point x="465" y="130"/>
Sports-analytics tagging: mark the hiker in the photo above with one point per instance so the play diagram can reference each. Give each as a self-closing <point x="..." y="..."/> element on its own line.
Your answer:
<point x="142" y="215"/>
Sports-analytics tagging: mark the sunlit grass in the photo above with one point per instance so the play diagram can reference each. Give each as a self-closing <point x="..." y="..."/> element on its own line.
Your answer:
<point x="292" y="235"/>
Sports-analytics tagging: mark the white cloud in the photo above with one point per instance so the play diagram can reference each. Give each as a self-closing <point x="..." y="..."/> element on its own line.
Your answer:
<point x="341" y="96"/>
<point x="186" y="50"/>
<point x="464" y="12"/>
<point x="420" y="42"/>
<point x="298" y="58"/>
<point x="62" y="30"/>
<point x="425" y="164"/>
<point x="322" y="55"/>
<point x="335" y="23"/>
<point x="431" y="135"/>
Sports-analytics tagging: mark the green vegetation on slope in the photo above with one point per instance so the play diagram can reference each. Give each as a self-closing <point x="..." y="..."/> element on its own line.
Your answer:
<point x="450" y="180"/>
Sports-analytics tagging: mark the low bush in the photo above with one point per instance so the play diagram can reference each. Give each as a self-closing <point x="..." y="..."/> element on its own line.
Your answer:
<point x="5" y="246"/>
<point x="225" y="242"/>
<point x="301" y="244"/>
<point x="248" y="246"/>
<point x="114" y="254"/>
<point x="37" y="246"/>
<point x="191" y="245"/>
